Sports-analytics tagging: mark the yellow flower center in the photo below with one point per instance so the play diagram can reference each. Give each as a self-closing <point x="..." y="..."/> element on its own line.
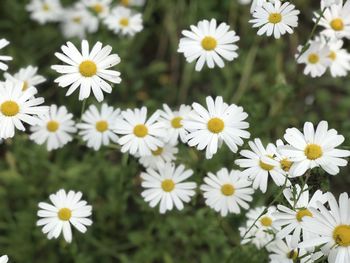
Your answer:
<point x="313" y="58"/>
<point x="209" y="43"/>
<point x="168" y="185"/>
<point x="332" y="55"/>
<point x="286" y="164"/>
<point x="46" y="7"/>
<point x="140" y="130"/>
<point x="227" y="189"/>
<point x="101" y="126"/>
<point x="87" y="68"/>
<point x="303" y="212"/>
<point x="52" y="126"/>
<point x="176" y="122"/>
<point x="313" y="151"/>
<point x="9" y="108"/>
<point x="158" y="152"/>
<point x="337" y="24"/>
<point x="77" y="19"/>
<point x="293" y="255"/>
<point x="216" y="125"/>
<point x="265" y="166"/>
<point x="341" y="235"/>
<point x="124" y="22"/>
<point x="64" y="214"/>
<point x="266" y="221"/>
<point x="275" y="18"/>
<point x="97" y="8"/>
<point x="25" y="85"/>
<point x="125" y="2"/>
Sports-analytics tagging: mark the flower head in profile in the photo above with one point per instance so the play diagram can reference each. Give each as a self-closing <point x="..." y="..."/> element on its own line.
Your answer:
<point x="209" y="43"/>
<point x="17" y="106"/>
<point x="3" y="66"/>
<point x="140" y="135"/>
<point x="314" y="148"/>
<point x="227" y="192"/>
<point x="275" y="18"/>
<point x="44" y="11"/>
<point x="55" y="128"/>
<point x="97" y="126"/>
<point x="87" y="70"/>
<point x="124" y="21"/>
<point x="28" y="76"/>
<point x="167" y="187"/>
<point x="66" y="209"/>
<point x="220" y="122"/>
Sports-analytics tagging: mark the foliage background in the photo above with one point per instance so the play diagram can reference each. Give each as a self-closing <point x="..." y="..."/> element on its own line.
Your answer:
<point x="265" y="80"/>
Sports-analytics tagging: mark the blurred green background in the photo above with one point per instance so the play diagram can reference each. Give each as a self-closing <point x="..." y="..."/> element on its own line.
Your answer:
<point x="265" y="80"/>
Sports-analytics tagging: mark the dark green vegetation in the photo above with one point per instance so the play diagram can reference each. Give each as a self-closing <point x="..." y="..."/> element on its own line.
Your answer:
<point x="265" y="80"/>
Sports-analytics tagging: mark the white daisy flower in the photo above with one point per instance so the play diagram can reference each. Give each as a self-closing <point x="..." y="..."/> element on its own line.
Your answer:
<point x="54" y="128"/>
<point x="173" y="123"/>
<point x="209" y="43"/>
<point x="28" y="76"/>
<point x="87" y="70"/>
<point x="99" y="7"/>
<point x="4" y="259"/>
<point x="283" y="251"/>
<point x="124" y="21"/>
<point x="67" y="209"/>
<point x="314" y="149"/>
<point x="3" y="66"/>
<point x="132" y="2"/>
<point x="209" y="128"/>
<point x="165" y="154"/>
<point x="261" y="227"/>
<point x="44" y="11"/>
<point x="77" y="22"/>
<point x="226" y="192"/>
<point x="17" y="106"/>
<point x="290" y="218"/>
<point x="285" y="162"/>
<point x="275" y="18"/>
<point x="336" y="20"/>
<point x="139" y="135"/>
<point x="331" y="229"/>
<point x="166" y="187"/>
<point x="340" y="59"/>
<point x="259" y="163"/>
<point x="316" y="59"/>
<point x="97" y="128"/>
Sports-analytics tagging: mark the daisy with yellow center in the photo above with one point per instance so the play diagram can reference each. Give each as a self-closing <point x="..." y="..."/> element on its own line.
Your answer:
<point x="314" y="148"/>
<point x="226" y="192"/>
<point x="55" y="128"/>
<point x="219" y="123"/>
<point x="340" y="58"/>
<point x="28" y="76"/>
<point x="139" y="135"/>
<point x="316" y="59"/>
<point x="17" y="106"/>
<point x="45" y="11"/>
<point x="275" y="18"/>
<point x="66" y="209"/>
<point x="259" y="163"/>
<point x="209" y="43"/>
<point x="97" y="126"/>
<point x="173" y="122"/>
<point x="3" y="66"/>
<point x="290" y="218"/>
<point x="165" y="185"/>
<point x="164" y="154"/>
<point x="124" y="21"/>
<point x="88" y="70"/>
<point x="331" y="228"/>
<point x="100" y="8"/>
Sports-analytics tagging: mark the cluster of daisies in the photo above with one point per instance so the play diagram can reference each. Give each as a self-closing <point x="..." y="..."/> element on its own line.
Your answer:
<point x="85" y="16"/>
